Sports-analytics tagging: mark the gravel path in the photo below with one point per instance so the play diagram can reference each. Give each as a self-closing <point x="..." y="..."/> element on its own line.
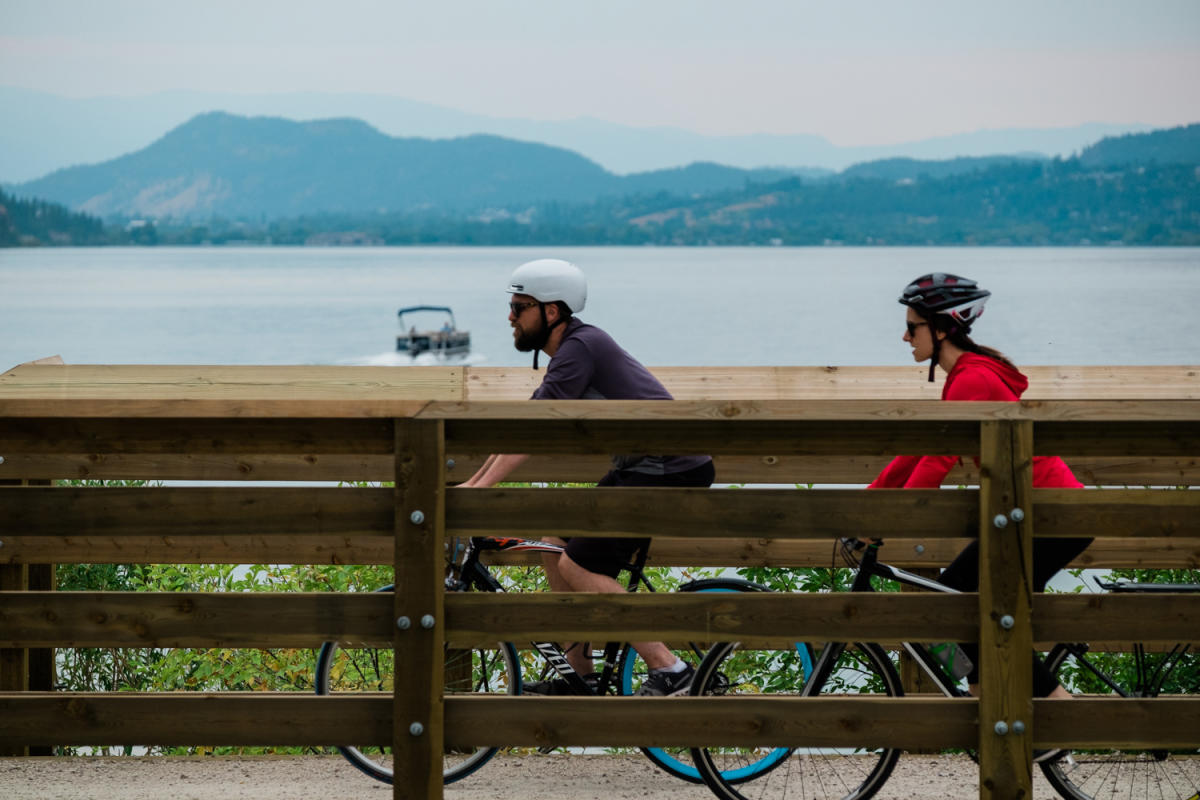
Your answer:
<point x="546" y="777"/>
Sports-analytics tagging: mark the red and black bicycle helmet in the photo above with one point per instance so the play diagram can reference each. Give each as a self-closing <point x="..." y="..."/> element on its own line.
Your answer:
<point x="959" y="298"/>
<point x="942" y="293"/>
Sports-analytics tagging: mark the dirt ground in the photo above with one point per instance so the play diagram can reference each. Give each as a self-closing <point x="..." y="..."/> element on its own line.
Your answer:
<point x="546" y="777"/>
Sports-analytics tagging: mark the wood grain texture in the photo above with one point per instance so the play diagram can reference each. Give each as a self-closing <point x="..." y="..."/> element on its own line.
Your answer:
<point x="902" y="383"/>
<point x="269" y="718"/>
<point x="223" y="391"/>
<point x="759" y="551"/>
<point x="702" y="513"/>
<point x="420" y="531"/>
<point x="179" y="512"/>
<point x="125" y="435"/>
<point x="193" y="619"/>
<point x="262" y="620"/>
<point x="771" y="468"/>
<point x="747" y="437"/>
<point x="1005" y="592"/>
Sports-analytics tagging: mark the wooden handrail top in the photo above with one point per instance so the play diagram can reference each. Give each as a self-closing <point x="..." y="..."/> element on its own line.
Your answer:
<point x="861" y="382"/>
<point x="41" y="390"/>
<point x="856" y="410"/>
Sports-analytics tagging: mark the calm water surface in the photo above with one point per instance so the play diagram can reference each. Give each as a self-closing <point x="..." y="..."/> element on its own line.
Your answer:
<point x="668" y="306"/>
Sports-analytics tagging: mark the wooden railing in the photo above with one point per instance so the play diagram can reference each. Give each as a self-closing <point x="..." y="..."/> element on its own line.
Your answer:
<point x="188" y="423"/>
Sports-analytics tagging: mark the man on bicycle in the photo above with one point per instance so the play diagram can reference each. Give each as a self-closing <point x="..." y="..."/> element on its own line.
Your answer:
<point x="586" y="363"/>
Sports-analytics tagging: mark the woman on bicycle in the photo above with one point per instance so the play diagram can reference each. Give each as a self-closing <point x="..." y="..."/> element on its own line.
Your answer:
<point x="941" y="308"/>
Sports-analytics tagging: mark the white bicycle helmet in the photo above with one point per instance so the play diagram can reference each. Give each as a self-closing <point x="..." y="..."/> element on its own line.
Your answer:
<point x="551" y="279"/>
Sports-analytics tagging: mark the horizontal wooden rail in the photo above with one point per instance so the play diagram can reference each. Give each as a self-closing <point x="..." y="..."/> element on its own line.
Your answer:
<point x="802" y="438"/>
<point x="862" y="721"/>
<point x="291" y="548"/>
<point x="703" y="513"/>
<point x="181" y="512"/>
<point x="1120" y="438"/>
<point x="780" y="618"/>
<point x="283" y="719"/>
<point x="94" y="390"/>
<point x="192" y="619"/>
<point x="1164" y="617"/>
<point x="699" y="513"/>
<point x="1091" y="382"/>
<point x="197" y="437"/>
<point x="874" y="410"/>
<point x="342" y="525"/>
<point x="251" y="620"/>
<point x="1122" y="513"/>
<point x="155" y="388"/>
<point x="766" y="469"/>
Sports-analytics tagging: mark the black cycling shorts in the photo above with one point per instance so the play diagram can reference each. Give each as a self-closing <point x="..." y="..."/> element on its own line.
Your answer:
<point x="610" y="556"/>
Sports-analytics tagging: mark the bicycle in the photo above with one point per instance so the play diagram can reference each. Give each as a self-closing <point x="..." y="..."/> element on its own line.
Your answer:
<point x="500" y="669"/>
<point x="867" y="668"/>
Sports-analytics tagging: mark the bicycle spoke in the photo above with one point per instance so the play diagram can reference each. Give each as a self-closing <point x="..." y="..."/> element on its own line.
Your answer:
<point x="1125" y="774"/>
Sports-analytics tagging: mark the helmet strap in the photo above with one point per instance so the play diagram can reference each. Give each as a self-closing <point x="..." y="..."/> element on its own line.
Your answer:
<point x="547" y="327"/>
<point x="937" y="347"/>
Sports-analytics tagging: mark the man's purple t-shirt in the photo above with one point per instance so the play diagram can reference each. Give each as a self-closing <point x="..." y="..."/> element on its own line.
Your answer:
<point x="590" y="365"/>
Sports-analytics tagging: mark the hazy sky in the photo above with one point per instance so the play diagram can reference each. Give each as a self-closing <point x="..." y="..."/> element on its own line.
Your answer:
<point x="855" y="71"/>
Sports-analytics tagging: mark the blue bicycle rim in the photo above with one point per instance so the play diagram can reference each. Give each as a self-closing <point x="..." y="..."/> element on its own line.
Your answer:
<point x="763" y="764"/>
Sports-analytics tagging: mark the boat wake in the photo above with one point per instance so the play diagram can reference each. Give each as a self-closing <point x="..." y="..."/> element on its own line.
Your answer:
<point x="427" y="359"/>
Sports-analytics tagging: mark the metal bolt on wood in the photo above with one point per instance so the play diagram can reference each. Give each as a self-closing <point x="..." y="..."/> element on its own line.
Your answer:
<point x="449" y="463"/>
<point x="1" y="459"/>
<point x="428" y="621"/>
<point x="1016" y="515"/>
<point x="919" y="548"/>
<point x="1001" y="728"/>
<point x="403" y="623"/>
<point x="1007" y="622"/>
<point x="1018" y="727"/>
<point x="1000" y="521"/>
<point x="417" y="517"/>
<point x="416" y="729"/>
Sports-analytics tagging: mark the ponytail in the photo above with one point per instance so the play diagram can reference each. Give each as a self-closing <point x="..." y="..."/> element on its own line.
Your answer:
<point x="957" y="336"/>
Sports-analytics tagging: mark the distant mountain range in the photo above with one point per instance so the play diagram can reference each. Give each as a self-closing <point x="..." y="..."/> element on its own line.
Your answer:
<point x="222" y="165"/>
<point x="220" y="178"/>
<point x="219" y="165"/>
<point x="44" y="132"/>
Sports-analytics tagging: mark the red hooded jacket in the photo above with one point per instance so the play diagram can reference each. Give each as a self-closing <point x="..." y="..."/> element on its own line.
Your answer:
<point x="974" y="377"/>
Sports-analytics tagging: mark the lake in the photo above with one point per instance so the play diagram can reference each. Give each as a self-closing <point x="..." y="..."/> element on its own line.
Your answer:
<point x="668" y="306"/>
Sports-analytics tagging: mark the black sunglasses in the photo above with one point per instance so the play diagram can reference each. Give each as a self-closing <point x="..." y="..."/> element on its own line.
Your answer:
<point x="912" y="327"/>
<point x="517" y="308"/>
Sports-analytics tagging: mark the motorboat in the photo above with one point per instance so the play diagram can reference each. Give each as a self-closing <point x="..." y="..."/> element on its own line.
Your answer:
<point x="445" y="340"/>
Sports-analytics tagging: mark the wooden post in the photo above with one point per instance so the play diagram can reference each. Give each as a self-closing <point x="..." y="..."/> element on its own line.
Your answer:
<point x="420" y="563"/>
<point x="15" y="662"/>
<point x="1005" y="593"/>
<point x="40" y="660"/>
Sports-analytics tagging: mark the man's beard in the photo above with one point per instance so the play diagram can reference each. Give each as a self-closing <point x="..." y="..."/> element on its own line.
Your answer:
<point x="527" y="341"/>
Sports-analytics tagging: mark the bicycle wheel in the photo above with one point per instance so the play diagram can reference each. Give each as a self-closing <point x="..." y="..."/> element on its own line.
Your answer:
<point x="631" y="671"/>
<point x="1106" y="773"/>
<point x="816" y="773"/>
<point x="350" y="669"/>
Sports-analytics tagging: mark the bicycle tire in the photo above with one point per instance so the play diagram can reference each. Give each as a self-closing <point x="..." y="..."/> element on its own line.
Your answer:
<point x="1116" y="773"/>
<point x="631" y="671"/>
<point x="761" y="773"/>
<point x="494" y="670"/>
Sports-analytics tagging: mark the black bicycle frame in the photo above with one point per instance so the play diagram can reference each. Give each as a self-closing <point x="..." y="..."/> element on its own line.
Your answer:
<point x="868" y="567"/>
<point x="474" y="574"/>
